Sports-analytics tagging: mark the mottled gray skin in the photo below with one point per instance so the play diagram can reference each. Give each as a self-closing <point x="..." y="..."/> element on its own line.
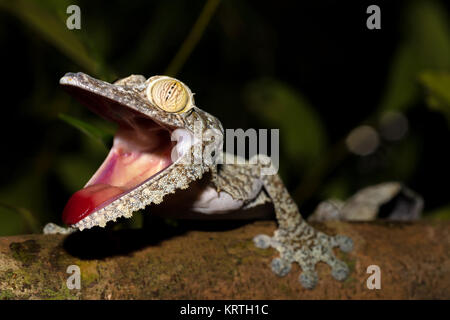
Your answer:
<point x="294" y="239"/>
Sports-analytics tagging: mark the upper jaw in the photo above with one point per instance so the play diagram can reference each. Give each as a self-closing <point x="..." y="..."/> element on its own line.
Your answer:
<point x="112" y="101"/>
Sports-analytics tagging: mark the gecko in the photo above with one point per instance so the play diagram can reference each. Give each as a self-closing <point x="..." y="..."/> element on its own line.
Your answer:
<point x="165" y="146"/>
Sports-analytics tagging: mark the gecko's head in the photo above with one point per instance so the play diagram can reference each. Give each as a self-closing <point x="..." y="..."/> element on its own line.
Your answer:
<point x="163" y="142"/>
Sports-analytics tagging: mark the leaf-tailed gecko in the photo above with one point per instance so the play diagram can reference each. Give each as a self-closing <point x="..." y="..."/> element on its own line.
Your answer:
<point x="164" y="144"/>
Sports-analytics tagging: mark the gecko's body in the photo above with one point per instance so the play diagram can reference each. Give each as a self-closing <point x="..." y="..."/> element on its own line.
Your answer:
<point x="146" y="166"/>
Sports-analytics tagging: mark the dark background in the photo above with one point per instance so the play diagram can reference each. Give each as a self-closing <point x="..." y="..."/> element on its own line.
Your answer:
<point x="310" y="68"/>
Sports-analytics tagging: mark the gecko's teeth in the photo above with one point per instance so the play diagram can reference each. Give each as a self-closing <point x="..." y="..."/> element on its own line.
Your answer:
<point x="152" y="191"/>
<point x="122" y="207"/>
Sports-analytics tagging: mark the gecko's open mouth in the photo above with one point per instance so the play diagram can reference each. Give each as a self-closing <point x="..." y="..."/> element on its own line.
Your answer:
<point x="138" y="153"/>
<point x="142" y="148"/>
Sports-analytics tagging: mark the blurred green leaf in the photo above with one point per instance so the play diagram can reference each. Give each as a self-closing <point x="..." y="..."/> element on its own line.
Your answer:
<point x="75" y="170"/>
<point x="426" y="45"/>
<point x="337" y="187"/>
<point x="153" y="42"/>
<point x="53" y="29"/>
<point x="401" y="160"/>
<point x="428" y="33"/>
<point x="442" y="213"/>
<point x="100" y="134"/>
<point x="401" y="89"/>
<point x="438" y="87"/>
<point x="302" y="133"/>
<point x="193" y="37"/>
<point x="25" y="215"/>
<point x="11" y="223"/>
<point x="22" y="202"/>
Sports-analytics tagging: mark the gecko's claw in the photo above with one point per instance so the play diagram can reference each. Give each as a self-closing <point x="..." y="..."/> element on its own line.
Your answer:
<point x="281" y="267"/>
<point x="308" y="279"/>
<point x="340" y="270"/>
<point x="307" y="252"/>
<point x="345" y="243"/>
<point x="262" y="241"/>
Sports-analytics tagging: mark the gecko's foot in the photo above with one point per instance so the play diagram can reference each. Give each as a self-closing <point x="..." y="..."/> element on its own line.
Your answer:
<point x="307" y="247"/>
<point x="51" y="228"/>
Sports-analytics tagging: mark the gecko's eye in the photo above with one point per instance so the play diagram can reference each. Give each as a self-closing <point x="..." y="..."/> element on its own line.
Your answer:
<point x="169" y="94"/>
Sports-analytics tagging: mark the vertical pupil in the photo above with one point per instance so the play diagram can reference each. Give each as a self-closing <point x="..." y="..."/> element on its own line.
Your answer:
<point x="169" y="93"/>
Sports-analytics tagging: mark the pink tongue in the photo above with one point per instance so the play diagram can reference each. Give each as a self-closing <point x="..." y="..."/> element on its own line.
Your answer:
<point x="135" y="156"/>
<point x="83" y="202"/>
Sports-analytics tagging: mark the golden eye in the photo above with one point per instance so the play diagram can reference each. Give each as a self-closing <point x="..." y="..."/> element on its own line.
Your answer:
<point x="169" y="94"/>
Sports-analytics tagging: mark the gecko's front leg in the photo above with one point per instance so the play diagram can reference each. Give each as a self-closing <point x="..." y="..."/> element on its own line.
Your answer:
<point x="295" y="239"/>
